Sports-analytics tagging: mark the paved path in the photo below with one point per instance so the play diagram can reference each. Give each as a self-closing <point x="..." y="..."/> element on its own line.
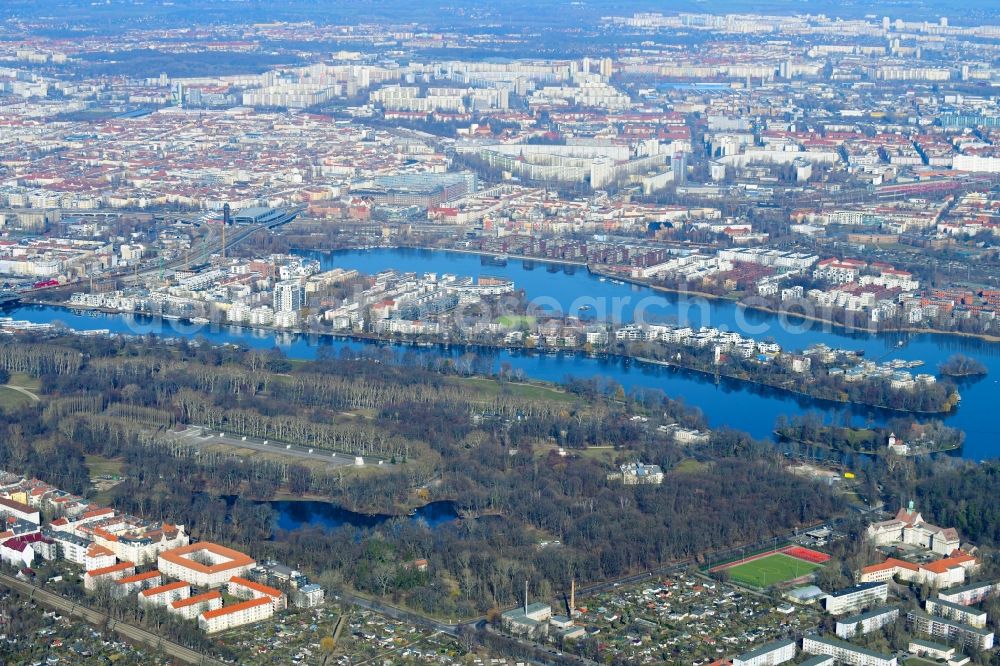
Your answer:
<point x="22" y="390"/>
<point x="200" y="437"/>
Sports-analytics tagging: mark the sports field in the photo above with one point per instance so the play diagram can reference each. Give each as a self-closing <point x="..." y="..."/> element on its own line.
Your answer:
<point x="770" y="569"/>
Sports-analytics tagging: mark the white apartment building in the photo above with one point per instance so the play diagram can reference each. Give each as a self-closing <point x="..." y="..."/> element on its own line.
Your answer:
<point x="161" y="595"/>
<point x="9" y="507"/>
<point x="235" y="615"/>
<point x="770" y="654"/>
<point x="971" y="594"/>
<point x="873" y="620"/>
<point x="242" y="588"/>
<point x="289" y="296"/>
<point x="846" y="653"/>
<point x="855" y="598"/>
<point x="129" y="585"/>
<point x="112" y="573"/>
<point x="950" y="631"/>
<point x="141" y="543"/>
<point x="192" y="607"/>
<point x="965" y="614"/>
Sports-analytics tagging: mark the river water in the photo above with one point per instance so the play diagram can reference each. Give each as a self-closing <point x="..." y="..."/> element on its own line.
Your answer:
<point x="728" y="403"/>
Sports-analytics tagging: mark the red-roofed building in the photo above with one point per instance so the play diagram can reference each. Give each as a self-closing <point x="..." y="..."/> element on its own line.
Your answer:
<point x="225" y="563"/>
<point x="940" y="574"/>
<point x="163" y="595"/>
<point x="243" y="588"/>
<point x="9" y="507"/>
<point x="235" y="615"/>
<point x="21" y="551"/>
<point x="909" y="527"/>
<point x="192" y="607"/>
<point x="112" y="573"/>
<point x="128" y="585"/>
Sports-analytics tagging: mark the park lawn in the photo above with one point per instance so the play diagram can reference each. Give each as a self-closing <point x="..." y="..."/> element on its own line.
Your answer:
<point x="690" y="466"/>
<point x="767" y="571"/>
<point x="513" y="321"/>
<point x="490" y="388"/>
<point x="24" y="381"/>
<point x="11" y="399"/>
<point x="101" y="466"/>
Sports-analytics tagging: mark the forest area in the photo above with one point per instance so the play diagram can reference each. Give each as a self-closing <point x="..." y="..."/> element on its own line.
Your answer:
<point x="490" y="446"/>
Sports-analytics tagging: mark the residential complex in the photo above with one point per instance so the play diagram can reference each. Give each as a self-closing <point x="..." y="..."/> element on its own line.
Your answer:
<point x="204" y="564"/>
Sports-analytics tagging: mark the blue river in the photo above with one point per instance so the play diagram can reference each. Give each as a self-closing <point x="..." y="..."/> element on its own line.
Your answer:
<point x="566" y="288"/>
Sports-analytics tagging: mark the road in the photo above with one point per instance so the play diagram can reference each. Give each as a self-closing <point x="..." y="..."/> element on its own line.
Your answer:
<point x="200" y="437"/>
<point x="130" y="632"/>
<point x="407" y="616"/>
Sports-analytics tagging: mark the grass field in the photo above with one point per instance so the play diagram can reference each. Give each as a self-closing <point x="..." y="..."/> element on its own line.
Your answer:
<point x="689" y="466"/>
<point x="512" y="321"/>
<point x="490" y="388"/>
<point x="11" y="399"/>
<point x="100" y="466"/>
<point x="771" y="569"/>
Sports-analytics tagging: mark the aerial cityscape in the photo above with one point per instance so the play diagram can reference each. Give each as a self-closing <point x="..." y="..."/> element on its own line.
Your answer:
<point x="499" y="333"/>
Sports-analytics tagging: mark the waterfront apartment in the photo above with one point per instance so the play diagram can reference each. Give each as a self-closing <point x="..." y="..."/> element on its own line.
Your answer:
<point x="845" y="653"/>
<point x="204" y="564"/>
<point x="770" y="654"/>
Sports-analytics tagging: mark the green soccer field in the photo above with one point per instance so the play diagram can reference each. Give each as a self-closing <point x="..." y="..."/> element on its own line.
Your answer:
<point x="771" y="569"/>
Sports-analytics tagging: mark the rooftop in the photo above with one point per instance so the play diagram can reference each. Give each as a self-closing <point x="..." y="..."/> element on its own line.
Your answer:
<point x="257" y="587"/>
<point x="196" y="599"/>
<point x="162" y="589"/>
<point x="236" y="608"/>
<point x="232" y="559"/>
<point x="767" y="647"/>
<point x="121" y="566"/>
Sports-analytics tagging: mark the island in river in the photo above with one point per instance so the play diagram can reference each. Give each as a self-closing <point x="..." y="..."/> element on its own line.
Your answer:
<point x="399" y="306"/>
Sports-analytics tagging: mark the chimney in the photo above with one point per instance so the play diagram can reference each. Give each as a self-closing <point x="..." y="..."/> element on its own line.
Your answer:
<point x="525" y="597"/>
<point x="572" y="598"/>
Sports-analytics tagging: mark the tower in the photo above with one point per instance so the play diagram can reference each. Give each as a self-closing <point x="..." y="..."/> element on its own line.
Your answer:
<point x="526" y="597"/>
<point x="225" y="223"/>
